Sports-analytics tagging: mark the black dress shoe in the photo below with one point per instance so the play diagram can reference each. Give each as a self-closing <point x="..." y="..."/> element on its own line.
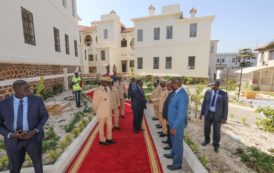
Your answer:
<point x="204" y="143"/>
<point x="168" y="156"/>
<point x="154" y="119"/>
<point x="167" y="148"/>
<point x="216" y="149"/>
<point x="104" y="143"/>
<point x="159" y="127"/>
<point x="165" y="142"/>
<point x="111" y="141"/>
<point x="142" y="130"/>
<point x="173" y="168"/>
<point x="162" y="135"/>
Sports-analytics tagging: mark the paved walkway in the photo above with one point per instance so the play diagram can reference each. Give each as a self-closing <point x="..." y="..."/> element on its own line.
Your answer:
<point x="159" y="145"/>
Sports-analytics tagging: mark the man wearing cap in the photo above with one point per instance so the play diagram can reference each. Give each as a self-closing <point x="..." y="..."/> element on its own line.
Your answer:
<point x="76" y="88"/>
<point x="115" y="98"/>
<point x="102" y="106"/>
<point x="163" y="96"/>
<point x="155" y="98"/>
<point x="215" y="110"/>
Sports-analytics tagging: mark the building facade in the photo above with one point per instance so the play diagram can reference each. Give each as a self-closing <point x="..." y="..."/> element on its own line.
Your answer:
<point x="262" y="75"/>
<point x="107" y="42"/>
<point x="40" y="38"/>
<point x="173" y="44"/>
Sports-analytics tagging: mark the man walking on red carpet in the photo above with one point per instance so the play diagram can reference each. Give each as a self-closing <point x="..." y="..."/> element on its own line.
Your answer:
<point x="102" y="106"/>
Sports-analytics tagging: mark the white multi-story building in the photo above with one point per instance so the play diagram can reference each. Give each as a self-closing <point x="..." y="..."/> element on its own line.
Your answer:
<point x="173" y="44"/>
<point x="38" y="38"/>
<point x="261" y="75"/>
<point x="107" y="42"/>
<point x="164" y="44"/>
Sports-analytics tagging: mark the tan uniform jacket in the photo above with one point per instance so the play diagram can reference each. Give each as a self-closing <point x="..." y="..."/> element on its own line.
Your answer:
<point x="155" y="96"/>
<point x="115" y="99"/>
<point x="163" y="97"/>
<point x="101" y="103"/>
<point x="121" y="90"/>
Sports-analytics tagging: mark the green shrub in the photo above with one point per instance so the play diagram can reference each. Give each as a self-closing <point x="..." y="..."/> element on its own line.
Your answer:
<point x="76" y="131"/>
<point x="2" y="146"/>
<point x="194" y="147"/>
<point x="53" y="155"/>
<point x="243" y="119"/>
<point x="65" y="142"/>
<point x="51" y="139"/>
<point x="232" y="115"/>
<point x="231" y="84"/>
<point x="258" y="160"/>
<point x="254" y="87"/>
<point x="203" y="160"/>
<point x="148" y="78"/>
<point x="267" y="123"/>
<point x="76" y="118"/>
<point x="4" y="161"/>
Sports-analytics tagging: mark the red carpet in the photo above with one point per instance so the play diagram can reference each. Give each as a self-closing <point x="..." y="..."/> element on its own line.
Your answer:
<point x="133" y="153"/>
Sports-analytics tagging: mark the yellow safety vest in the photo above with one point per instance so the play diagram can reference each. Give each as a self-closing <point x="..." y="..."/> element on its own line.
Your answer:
<point x="76" y="86"/>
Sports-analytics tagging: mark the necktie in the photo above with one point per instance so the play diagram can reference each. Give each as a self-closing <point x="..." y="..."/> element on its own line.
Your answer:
<point x="214" y="98"/>
<point x="20" y="116"/>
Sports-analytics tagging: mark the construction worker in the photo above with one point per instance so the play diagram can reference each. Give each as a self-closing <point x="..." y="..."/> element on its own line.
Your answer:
<point x="76" y="88"/>
<point x="102" y="106"/>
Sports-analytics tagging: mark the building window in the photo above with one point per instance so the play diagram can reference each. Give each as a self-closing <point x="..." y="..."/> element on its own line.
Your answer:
<point x="67" y="43"/>
<point x="139" y="35"/>
<point x="223" y="60"/>
<point x="88" y="40"/>
<point x="90" y="57"/>
<point x="103" y="55"/>
<point x="75" y="48"/>
<point x="64" y="3"/>
<point x="140" y="63"/>
<point x="193" y="30"/>
<point x="156" y="62"/>
<point x="156" y="33"/>
<point x="169" y="32"/>
<point x="56" y="39"/>
<point x="105" y="34"/>
<point x="73" y="8"/>
<point x="85" y="54"/>
<point x="131" y="64"/>
<point x="218" y="60"/>
<point x="234" y="60"/>
<point x="28" y="26"/>
<point x="168" y="62"/>
<point x="124" y="43"/>
<point x="191" y="62"/>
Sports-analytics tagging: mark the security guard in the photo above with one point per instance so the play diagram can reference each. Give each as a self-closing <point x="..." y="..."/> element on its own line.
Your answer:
<point x="76" y="88"/>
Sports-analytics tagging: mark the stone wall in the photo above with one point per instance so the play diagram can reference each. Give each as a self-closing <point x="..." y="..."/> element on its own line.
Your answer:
<point x="13" y="71"/>
<point x="7" y="91"/>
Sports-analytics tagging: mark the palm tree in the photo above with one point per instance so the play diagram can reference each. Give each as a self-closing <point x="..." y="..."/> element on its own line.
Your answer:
<point x="244" y="54"/>
<point x="196" y="97"/>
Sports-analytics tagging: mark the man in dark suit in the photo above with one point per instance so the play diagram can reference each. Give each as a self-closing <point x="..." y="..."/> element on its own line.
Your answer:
<point x="138" y="105"/>
<point x="215" y="110"/>
<point x="22" y="118"/>
<point x="130" y="88"/>
<point x="165" y="116"/>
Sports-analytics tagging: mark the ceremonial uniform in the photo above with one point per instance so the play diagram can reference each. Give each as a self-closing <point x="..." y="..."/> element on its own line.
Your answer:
<point x="122" y="97"/>
<point x="163" y="96"/>
<point x="155" y="98"/>
<point x="115" y="99"/>
<point x="102" y="105"/>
